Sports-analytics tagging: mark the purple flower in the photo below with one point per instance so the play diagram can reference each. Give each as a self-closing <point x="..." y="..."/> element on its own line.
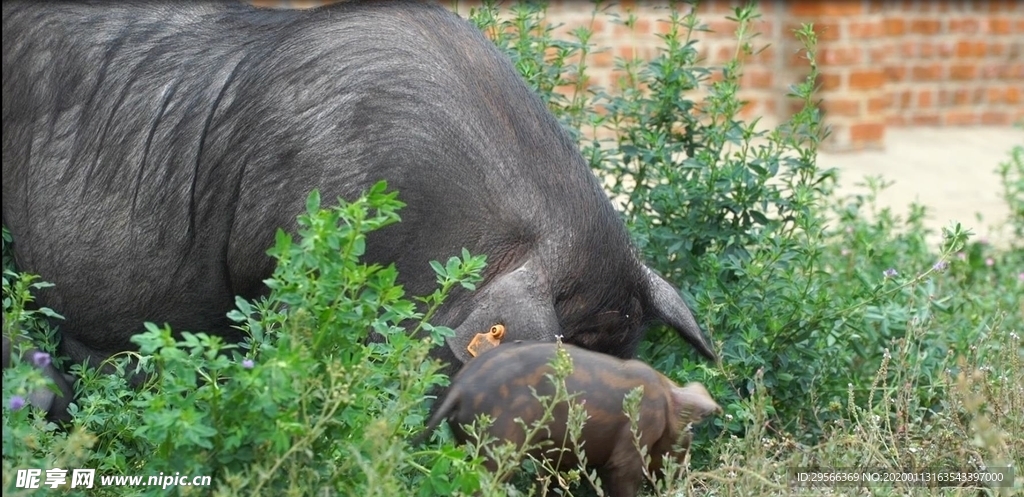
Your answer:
<point x="990" y="262"/>
<point x="890" y="273"/>
<point x="17" y="402"/>
<point x="962" y="256"/>
<point x="248" y="364"/>
<point x="1021" y="276"/>
<point x="940" y="266"/>
<point x="40" y="359"/>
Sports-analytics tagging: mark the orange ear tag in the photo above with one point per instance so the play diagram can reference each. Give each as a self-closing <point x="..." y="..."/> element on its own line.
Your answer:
<point x="483" y="342"/>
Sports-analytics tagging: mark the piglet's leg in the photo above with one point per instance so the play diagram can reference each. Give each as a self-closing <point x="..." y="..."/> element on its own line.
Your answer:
<point x="623" y="475"/>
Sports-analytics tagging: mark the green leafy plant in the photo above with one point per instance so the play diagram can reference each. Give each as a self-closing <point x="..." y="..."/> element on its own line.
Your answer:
<point x="806" y="293"/>
<point x="309" y="402"/>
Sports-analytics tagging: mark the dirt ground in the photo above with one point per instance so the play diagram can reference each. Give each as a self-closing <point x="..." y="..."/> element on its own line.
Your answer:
<point x="952" y="171"/>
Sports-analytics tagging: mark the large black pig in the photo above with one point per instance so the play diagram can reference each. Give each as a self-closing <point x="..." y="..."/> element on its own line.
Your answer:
<point x="151" y="149"/>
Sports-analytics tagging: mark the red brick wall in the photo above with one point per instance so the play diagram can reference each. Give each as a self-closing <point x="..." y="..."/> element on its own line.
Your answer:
<point x="883" y="63"/>
<point x="898" y="63"/>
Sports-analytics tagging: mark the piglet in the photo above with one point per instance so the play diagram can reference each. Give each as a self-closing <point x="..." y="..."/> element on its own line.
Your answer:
<point x="498" y="383"/>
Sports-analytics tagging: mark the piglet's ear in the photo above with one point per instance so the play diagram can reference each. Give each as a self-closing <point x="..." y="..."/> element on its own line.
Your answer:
<point x="693" y="403"/>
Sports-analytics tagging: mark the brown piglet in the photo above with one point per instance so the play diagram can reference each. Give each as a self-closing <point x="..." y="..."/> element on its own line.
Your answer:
<point x="499" y="381"/>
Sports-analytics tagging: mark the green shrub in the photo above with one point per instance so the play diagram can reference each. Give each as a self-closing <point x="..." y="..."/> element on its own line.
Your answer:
<point x="304" y="404"/>
<point x="805" y="293"/>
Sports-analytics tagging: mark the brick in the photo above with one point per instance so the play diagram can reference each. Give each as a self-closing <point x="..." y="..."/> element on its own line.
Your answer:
<point x="970" y="49"/>
<point x="930" y="72"/>
<point x="765" y="55"/>
<point x="964" y="25"/>
<point x="718" y="7"/>
<point x="879" y="105"/>
<point x="861" y="30"/>
<point x="798" y="59"/>
<point x="960" y="118"/>
<point x="996" y="49"/>
<point x="904" y="98"/>
<point x="961" y="96"/>
<point x="749" y="109"/>
<point x="896" y="120"/>
<point x="644" y="26"/>
<point x="894" y="27"/>
<point x="991" y="71"/>
<point x="819" y="8"/>
<point x="927" y="50"/>
<point x="881" y="53"/>
<point x="830" y="80"/>
<point x="999" y="25"/>
<point x="963" y="71"/>
<point x="1015" y="71"/>
<point x="867" y="132"/>
<point x="995" y="117"/>
<point x="994" y="95"/>
<point x="722" y="54"/>
<point x="926" y="119"/>
<point x="792" y="106"/>
<point x="664" y="27"/>
<point x="1000" y="6"/>
<point x="925" y="26"/>
<point x="840" y="56"/>
<point x="925" y="98"/>
<point x="1012" y="95"/>
<point x="721" y="26"/>
<point x="753" y="78"/>
<point x="601" y="59"/>
<point x="841" y="107"/>
<point x="909" y="49"/>
<point x="896" y="73"/>
<point x="866" y="79"/>
<point x="620" y="30"/>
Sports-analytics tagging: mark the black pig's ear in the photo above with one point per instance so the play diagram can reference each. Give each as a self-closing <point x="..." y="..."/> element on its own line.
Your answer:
<point x="519" y="300"/>
<point x="665" y="303"/>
